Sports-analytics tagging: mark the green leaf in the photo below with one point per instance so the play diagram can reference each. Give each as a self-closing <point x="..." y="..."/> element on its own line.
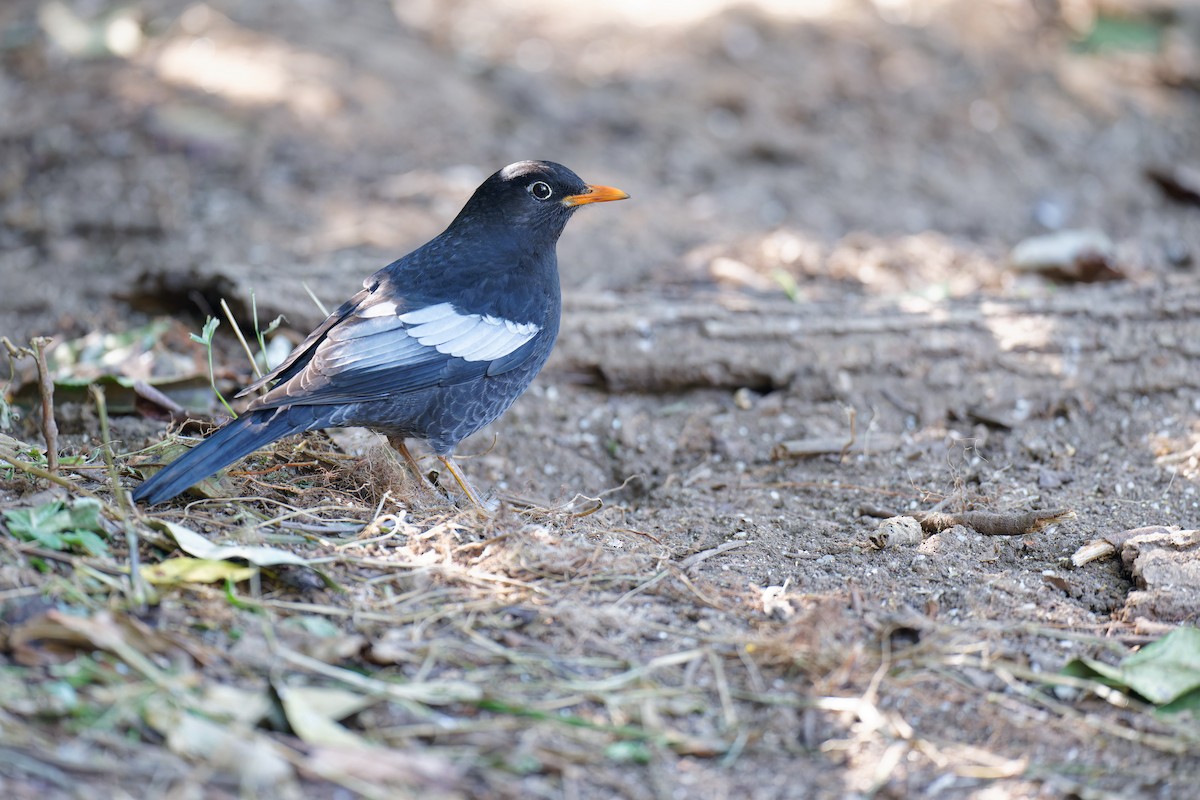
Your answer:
<point x="787" y="282"/>
<point x="1166" y="672"/>
<point x="1167" y="669"/>
<point x="25" y="523"/>
<point x="89" y="541"/>
<point x="48" y="539"/>
<point x="314" y="625"/>
<point x="275" y="323"/>
<point x="628" y="752"/>
<point x="54" y="526"/>
<point x="1187" y="702"/>
<point x="85" y="514"/>
<point x="526" y="764"/>
<point x="1123" y="33"/>
<point x="206" y="333"/>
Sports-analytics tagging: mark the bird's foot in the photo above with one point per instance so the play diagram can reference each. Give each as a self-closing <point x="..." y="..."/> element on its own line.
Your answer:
<point x="430" y="486"/>
<point x="465" y="485"/>
<point x="424" y="485"/>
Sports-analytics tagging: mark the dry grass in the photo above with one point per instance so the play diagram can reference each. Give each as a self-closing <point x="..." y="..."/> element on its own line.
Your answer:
<point x="496" y="656"/>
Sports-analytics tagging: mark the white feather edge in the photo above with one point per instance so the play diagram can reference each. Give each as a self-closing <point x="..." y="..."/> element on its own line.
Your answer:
<point x="471" y="337"/>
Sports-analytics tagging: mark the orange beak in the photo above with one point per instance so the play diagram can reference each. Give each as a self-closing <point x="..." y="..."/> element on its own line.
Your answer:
<point x="594" y="194"/>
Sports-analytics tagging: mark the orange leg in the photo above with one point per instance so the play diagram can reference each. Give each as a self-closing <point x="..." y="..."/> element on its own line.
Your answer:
<point x="463" y="483"/>
<point x="401" y="447"/>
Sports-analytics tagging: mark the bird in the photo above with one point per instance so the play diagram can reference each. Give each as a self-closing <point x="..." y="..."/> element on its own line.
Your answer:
<point x="438" y="344"/>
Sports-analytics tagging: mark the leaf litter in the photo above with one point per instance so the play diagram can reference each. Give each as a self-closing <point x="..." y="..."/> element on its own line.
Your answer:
<point x="433" y="624"/>
<point x="429" y="623"/>
<point x="539" y="653"/>
<point x="398" y="575"/>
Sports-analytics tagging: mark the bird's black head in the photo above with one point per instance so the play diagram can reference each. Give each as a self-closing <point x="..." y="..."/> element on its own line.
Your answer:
<point x="534" y="199"/>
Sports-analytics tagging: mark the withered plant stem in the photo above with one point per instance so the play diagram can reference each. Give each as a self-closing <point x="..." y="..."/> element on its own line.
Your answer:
<point x="137" y="589"/>
<point x="46" y="389"/>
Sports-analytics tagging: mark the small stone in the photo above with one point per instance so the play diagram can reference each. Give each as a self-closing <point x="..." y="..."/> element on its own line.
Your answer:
<point x="1069" y="255"/>
<point x="897" y="532"/>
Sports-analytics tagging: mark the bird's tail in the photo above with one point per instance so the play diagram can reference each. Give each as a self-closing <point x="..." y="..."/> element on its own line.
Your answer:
<point x="235" y="439"/>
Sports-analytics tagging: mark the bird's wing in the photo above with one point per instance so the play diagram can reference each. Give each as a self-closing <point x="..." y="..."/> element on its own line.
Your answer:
<point x="374" y="348"/>
<point x="303" y="353"/>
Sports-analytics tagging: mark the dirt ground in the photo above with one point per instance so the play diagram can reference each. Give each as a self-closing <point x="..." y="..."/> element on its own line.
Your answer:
<point x="809" y="316"/>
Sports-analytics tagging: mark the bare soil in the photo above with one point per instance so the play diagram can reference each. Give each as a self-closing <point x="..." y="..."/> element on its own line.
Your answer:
<point x="805" y="319"/>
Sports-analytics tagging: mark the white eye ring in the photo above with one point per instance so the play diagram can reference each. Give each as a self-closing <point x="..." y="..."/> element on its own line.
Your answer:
<point x="541" y="190"/>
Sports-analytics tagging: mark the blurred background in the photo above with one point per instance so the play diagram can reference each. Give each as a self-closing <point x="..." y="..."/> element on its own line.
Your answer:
<point x="157" y="156"/>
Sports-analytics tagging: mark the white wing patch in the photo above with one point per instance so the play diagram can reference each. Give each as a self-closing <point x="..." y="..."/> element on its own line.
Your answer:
<point x="378" y="310"/>
<point x="471" y="337"/>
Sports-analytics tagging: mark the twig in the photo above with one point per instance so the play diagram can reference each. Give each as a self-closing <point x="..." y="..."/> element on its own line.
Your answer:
<point x="34" y="765"/>
<point x="635" y="674"/>
<point x="76" y="562"/>
<point x="37" y="350"/>
<point x="704" y="555"/>
<point x="475" y="577"/>
<point x="237" y="331"/>
<point x="990" y="523"/>
<point x="821" y="446"/>
<point x="433" y="693"/>
<point x="679" y="742"/>
<point x="315" y="299"/>
<point x="1181" y="739"/>
<point x="729" y="715"/>
<point x="33" y="469"/>
<point x="137" y="589"/>
<point x="701" y="596"/>
<point x="46" y="390"/>
<point x="274" y="468"/>
<point x="682" y="566"/>
<point x="852" y="418"/>
<point x="1178" y="743"/>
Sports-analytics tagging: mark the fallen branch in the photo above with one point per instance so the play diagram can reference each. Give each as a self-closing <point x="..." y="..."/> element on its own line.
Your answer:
<point x="831" y="445"/>
<point x="992" y="523"/>
<point x="37" y="351"/>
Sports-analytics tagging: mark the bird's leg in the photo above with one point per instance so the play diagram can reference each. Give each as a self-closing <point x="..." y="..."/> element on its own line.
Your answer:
<point x="463" y="483"/>
<point x="400" y="446"/>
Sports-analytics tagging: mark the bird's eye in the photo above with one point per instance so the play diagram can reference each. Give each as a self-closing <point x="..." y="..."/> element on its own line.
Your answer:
<point x="540" y="190"/>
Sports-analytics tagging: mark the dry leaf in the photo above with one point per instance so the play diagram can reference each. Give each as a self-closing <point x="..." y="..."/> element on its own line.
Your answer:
<point x="56" y="636"/>
<point x="227" y="746"/>
<point x="312" y="712"/>
<point x="175" y="571"/>
<point x="432" y="775"/>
